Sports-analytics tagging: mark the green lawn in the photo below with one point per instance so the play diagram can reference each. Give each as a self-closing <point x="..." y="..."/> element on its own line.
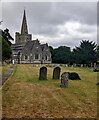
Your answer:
<point x="24" y="95"/>
<point x="4" y="68"/>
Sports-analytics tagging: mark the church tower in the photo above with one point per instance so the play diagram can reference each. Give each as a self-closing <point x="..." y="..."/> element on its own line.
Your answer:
<point x="23" y="37"/>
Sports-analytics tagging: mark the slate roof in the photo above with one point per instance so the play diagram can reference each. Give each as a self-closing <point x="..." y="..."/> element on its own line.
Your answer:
<point x="28" y="46"/>
<point x="17" y="47"/>
<point x="43" y="46"/>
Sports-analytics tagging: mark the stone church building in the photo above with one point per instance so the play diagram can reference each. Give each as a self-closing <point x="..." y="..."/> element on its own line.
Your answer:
<point x="26" y="50"/>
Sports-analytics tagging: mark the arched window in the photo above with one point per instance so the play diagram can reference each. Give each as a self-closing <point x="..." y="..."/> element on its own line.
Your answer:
<point x="36" y="56"/>
<point x="26" y="57"/>
<point x="45" y="57"/>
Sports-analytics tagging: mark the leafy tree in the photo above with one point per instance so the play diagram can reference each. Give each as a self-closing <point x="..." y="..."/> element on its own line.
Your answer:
<point x="6" y="49"/>
<point x="6" y="35"/>
<point x="98" y="52"/>
<point x="85" y="53"/>
<point x="6" y="44"/>
<point x="61" y="54"/>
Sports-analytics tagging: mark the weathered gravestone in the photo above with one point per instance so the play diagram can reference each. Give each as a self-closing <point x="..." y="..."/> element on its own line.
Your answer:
<point x="18" y="57"/>
<point x="64" y="79"/>
<point x="95" y="65"/>
<point x="97" y="83"/>
<point x="56" y="73"/>
<point x="43" y="73"/>
<point x="74" y="76"/>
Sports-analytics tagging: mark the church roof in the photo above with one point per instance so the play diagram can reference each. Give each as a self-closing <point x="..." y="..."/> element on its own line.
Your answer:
<point x="28" y="46"/>
<point x="43" y="46"/>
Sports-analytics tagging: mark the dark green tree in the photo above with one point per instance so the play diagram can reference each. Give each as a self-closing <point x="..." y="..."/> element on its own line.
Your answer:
<point x="5" y="44"/>
<point x="98" y="52"/>
<point x="6" y="50"/>
<point x="6" y="35"/>
<point x="85" y="53"/>
<point x="61" y="54"/>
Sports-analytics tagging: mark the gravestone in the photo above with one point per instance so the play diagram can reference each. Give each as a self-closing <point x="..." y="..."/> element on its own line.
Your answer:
<point x="95" y="65"/>
<point x="56" y="73"/>
<point x="13" y="62"/>
<point x="37" y="65"/>
<point x="91" y="64"/>
<point x="18" y="57"/>
<point x="84" y="65"/>
<point x="74" y="76"/>
<point x="81" y="65"/>
<point x="97" y="83"/>
<point x="43" y="73"/>
<point x="64" y="79"/>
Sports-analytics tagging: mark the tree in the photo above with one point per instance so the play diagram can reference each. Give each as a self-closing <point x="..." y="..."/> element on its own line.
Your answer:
<point x="6" y="35"/>
<point x="6" y="50"/>
<point x="98" y="52"/>
<point x="6" y="44"/>
<point x="85" y="53"/>
<point x="61" y="54"/>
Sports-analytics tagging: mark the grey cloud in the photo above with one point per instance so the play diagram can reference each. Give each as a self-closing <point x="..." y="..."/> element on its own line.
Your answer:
<point x="45" y="17"/>
<point x="87" y="29"/>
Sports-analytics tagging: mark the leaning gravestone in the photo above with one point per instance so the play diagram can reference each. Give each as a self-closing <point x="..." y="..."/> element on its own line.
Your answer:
<point x="64" y="79"/>
<point x="56" y="73"/>
<point x="43" y="73"/>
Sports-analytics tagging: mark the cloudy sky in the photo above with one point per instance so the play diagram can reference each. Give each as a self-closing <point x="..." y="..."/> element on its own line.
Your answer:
<point x="55" y="23"/>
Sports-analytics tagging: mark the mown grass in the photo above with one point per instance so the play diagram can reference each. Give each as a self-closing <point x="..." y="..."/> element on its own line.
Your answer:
<point x="4" y="68"/>
<point x="24" y="95"/>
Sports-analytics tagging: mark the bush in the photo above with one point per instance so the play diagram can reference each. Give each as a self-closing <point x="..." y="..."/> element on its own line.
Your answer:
<point x="74" y="76"/>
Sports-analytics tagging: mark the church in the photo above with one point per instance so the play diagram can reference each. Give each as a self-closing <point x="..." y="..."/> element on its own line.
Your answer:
<point x="26" y="50"/>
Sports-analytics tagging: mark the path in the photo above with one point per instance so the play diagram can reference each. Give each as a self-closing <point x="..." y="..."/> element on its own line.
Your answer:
<point x="6" y="75"/>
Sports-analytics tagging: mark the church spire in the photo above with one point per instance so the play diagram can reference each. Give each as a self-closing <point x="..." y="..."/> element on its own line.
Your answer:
<point x="24" y="29"/>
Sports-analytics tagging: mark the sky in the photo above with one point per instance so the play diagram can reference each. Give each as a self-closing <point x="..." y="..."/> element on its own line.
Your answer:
<point x="55" y="23"/>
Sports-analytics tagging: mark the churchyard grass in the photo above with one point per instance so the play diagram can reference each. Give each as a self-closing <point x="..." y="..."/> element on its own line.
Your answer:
<point x="24" y="95"/>
<point x="4" y="68"/>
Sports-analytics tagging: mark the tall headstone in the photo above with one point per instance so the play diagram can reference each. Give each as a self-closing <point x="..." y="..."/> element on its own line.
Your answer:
<point x="91" y="64"/>
<point x="94" y="65"/>
<point x="18" y="57"/>
<point x="13" y="62"/>
<point x="56" y="73"/>
<point x="64" y="79"/>
<point x="81" y="65"/>
<point x="43" y="73"/>
<point x="84" y="65"/>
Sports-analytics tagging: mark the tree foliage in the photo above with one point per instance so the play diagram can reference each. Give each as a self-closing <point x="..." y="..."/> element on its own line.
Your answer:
<point x="98" y="52"/>
<point x="84" y="54"/>
<point x="5" y="44"/>
<point x="61" y="54"/>
<point x="6" y="50"/>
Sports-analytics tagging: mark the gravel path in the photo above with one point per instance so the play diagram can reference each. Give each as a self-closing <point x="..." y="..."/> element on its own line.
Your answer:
<point x="6" y="75"/>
